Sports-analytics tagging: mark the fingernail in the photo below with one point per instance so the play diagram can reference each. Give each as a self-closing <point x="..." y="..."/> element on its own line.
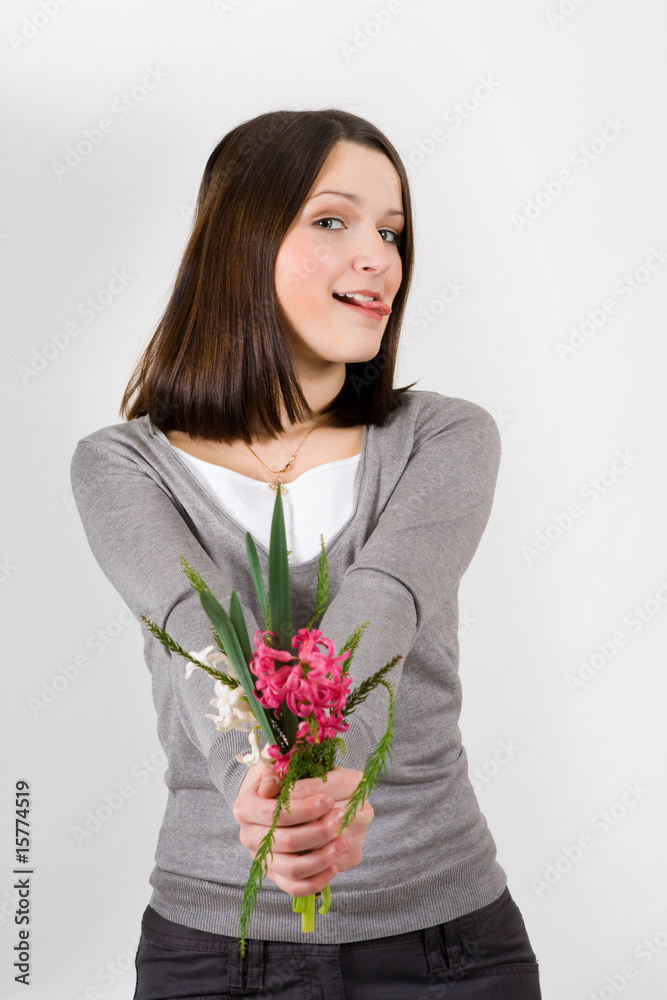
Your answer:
<point x="337" y="815"/>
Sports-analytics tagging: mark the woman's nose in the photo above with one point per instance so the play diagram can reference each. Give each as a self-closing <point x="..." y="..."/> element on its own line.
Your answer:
<point x="370" y="250"/>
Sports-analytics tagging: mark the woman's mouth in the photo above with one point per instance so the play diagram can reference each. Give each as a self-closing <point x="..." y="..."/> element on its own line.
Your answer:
<point x="374" y="310"/>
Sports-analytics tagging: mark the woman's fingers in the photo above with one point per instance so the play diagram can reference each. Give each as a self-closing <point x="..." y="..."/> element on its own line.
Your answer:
<point x="294" y="839"/>
<point x="297" y="875"/>
<point x="257" y="810"/>
<point x="341" y="783"/>
<point x="305" y="887"/>
<point x="310" y="834"/>
<point x="307" y="849"/>
<point x="300" y="867"/>
<point x="355" y="835"/>
<point x="309" y="799"/>
<point x="251" y="807"/>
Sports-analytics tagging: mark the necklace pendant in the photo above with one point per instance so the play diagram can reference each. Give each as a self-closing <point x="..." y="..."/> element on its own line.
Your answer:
<point x="274" y="487"/>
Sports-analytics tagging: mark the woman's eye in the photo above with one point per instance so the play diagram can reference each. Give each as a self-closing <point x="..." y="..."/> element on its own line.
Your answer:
<point x="327" y="219"/>
<point x="391" y="237"/>
<point x="395" y="238"/>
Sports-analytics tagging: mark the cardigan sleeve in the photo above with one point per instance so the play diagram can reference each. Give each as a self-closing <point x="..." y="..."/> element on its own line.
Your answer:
<point x="137" y="535"/>
<point x="419" y="549"/>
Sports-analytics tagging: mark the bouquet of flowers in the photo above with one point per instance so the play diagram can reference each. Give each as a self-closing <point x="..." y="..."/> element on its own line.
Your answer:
<point x="292" y="688"/>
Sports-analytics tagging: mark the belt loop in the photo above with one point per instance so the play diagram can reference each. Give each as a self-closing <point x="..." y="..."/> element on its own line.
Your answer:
<point x="255" y="964"/>
<point x="234" y="967"/>
<point x="434" y="953"/>
<point x="252" y="965"/>
<point x="453" y="950"/>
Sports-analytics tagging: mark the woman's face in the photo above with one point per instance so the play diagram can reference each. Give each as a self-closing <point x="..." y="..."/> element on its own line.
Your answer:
<point x="345" y="242"/>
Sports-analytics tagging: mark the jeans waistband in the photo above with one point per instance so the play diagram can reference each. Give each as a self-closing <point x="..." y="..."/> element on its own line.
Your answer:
<point x="159" y="929"/>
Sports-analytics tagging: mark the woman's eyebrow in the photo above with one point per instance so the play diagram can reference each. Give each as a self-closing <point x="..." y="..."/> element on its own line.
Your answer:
<point x="355" y="199"/>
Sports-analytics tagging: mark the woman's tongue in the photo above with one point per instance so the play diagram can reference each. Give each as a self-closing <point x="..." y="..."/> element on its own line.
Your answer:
<point x="376" y="306"/>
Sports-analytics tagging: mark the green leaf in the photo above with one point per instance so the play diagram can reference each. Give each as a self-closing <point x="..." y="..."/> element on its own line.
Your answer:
<point x="289" y="722"/>
<point x="224" y="626"/>
<point x="238" y="621"/>
<point x="256" y="574"/>
<point x="219" y="643"/>
<point x="280" y="608"/>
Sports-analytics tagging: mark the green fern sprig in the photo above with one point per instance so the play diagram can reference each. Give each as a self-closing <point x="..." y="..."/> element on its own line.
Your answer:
<point x="374" y="767"/>
<point x="174" y="647"/>
<point x="359" y="694"/>
<point x="351" y="643"/>
<point x="259" y="866"/>
<point x="323" y="596"/>
<point x="193" y="576"/>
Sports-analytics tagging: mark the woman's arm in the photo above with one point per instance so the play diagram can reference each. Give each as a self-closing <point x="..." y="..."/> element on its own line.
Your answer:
<point x="421" y="546"/>
<point x="137" y="535"/>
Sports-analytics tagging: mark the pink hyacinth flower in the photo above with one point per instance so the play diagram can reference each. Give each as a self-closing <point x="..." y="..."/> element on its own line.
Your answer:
<point x="314" y="681"/>
<point x="281" y="760"/>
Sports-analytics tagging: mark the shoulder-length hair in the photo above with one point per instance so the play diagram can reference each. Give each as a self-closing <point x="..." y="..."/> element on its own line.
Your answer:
<point x="219" y="361"/>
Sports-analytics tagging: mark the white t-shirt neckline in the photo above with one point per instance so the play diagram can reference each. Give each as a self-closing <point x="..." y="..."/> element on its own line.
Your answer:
<point x="214" y="467"/>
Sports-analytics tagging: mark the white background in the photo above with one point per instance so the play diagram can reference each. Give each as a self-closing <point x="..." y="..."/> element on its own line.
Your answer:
<point x="529" y="618"/>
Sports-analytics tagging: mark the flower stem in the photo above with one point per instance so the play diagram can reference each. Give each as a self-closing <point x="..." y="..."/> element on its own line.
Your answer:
<point x="326" y="900"/>
<point x="305" y="905"/>
<point x="308" y="915"/>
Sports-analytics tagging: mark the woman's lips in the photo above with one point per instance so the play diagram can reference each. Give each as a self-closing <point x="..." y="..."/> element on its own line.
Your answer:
<point x="376" y="310"/>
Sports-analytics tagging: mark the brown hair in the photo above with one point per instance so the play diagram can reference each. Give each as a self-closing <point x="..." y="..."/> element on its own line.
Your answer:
<point x="219" y="359"/>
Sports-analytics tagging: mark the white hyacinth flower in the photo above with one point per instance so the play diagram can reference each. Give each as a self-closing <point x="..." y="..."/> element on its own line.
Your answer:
<point x="211" y="658"/>
<point x="234" y="710"/>
<point x="255" y="755"/>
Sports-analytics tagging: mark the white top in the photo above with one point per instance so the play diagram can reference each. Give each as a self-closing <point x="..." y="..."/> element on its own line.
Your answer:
<point x="320" y="501"/>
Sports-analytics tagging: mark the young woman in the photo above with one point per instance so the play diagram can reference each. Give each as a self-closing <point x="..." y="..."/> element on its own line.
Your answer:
<point x="275" y="360"/>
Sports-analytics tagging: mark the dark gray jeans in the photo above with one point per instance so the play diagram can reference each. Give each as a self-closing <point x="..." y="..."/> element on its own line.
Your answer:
<point x="485" y="954"/>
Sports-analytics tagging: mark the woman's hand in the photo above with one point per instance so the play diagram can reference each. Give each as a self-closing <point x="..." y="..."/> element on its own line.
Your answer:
<point x="306" y="851"/>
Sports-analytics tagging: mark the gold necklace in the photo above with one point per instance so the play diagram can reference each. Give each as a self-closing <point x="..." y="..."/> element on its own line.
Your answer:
<point x="274" y="485"/>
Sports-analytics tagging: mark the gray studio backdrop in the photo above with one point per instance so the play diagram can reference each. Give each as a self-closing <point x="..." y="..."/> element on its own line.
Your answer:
<point x="535" y="141"/>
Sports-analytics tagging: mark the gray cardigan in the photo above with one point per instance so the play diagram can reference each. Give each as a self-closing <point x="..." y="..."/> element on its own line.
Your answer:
<point x="423" y="498"/>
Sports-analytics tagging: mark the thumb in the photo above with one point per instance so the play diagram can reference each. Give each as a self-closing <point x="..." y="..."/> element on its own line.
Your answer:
<point x="269" y="784"/>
